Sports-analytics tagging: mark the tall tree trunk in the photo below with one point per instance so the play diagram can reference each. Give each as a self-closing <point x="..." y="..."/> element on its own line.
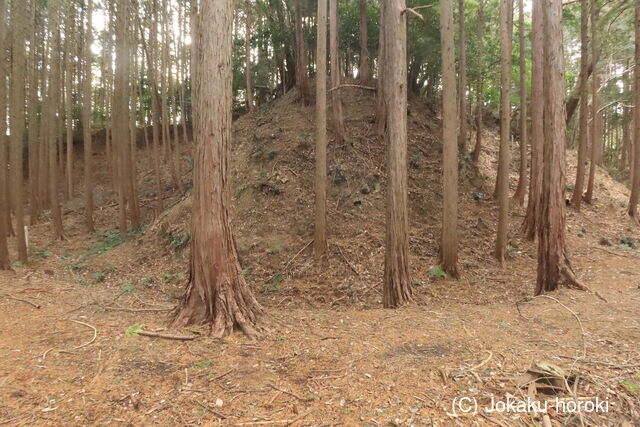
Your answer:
<point x="531" y="220"/>
<point x="596" y="129"/>
<point x="86" y="121"/>
<point x="381" y="107"/>
<point x="519" y="194"/>
<point x="635" y="186"/>
<point x="302" y="80"/>
<point x="479" y="112"/>
<point x="576" y="200"/>
<point x="53" y="122"/>
<point x="5" y="263"/>
<point x="34" y="117"/>
<point x="553" y="264"/>
<point x="247" y="56"/>
<point x="68" y="74"/>
<point x="336" y="98"/>
<point x="320" y="235"/>
<point x="449" y="240"/>
<point x="397" y="278"/>
<point x="502" y="183"/>
<point x="462" y="136"/>
<point x="364" y="73"/>
<point x="17" y="118"/>
<point x="217" y="292"/>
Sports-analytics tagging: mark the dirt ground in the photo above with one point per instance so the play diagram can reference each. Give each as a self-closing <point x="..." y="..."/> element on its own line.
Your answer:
<point x="70" y="354"/>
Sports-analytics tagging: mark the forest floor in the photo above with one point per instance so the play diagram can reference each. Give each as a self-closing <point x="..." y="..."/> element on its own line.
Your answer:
<point x="331" y="354"/>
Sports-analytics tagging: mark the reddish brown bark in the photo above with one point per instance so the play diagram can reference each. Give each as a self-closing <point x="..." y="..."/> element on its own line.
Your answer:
<point x="4" y="211"/>
<point x="532" y="216"/>
<point x="502" y="182"/>
<point x="553" y="264"/>
<point x="397" y="281"/>
<point x="320" y="226"/>
<point x="216" y="292"/>
<point x="449" y="238"/>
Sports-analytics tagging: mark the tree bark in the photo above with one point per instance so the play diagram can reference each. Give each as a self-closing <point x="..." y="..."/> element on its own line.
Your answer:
<point x="320" y="235"/>
<point x="462" y="135"/>
<point x="576" y="199"/>
<point x="5" y="263"/>
<point x="519" y="194"/>
<point x="532" y="217"/>
<point x="553" y="264"/>
<point x="17" y="118"/>
<point x="449" y="238"/>
<point x="302" y="79"/>
<point x="364" y="73"/>
<point x="596" y="129"/>
<point x="217" y="292"/>
<point x="53" y="123"/>
<point x="68" y="99"/>
<point x="475" y="156"/>
<point x="502" y="183"/>
<point x="397" y="279"/>
<point x="635" y="186"/>
<point x="336" y="98"/>
<point x="381" y="107"/>
<point x="86" y="121"/>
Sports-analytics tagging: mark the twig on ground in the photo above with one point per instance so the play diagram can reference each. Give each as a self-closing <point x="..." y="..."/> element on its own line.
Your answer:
<point x="168" y="336"/>
<point x="206" y="407"/>
<point x="95" y="334"/>
<point x="347" y="261"/>
<point x="481" y="364"/>
<point x="135" y="310"/>
<point x="33" y="304"/>
<point x="222" y="375"/>
<point x="288" y="392"/>
<point x="298" y="253"/>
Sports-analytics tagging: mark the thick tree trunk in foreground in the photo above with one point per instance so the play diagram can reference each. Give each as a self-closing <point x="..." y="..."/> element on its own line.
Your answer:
<point x="462" y="136"/>
<point x="86" y="121"/>
<point x="635" y="187"/>
<point x="553" y="264"/>
<point x="519" y="194"/>
<point x="247" y="55"/>
<point x="502" y="183"/>
<point x="17" y="120"/>
<point x="475" y="156"/>
<point x="364" y="73"/>
<point x="397" y="280"/>
<point x="302" y="79"/>
<point x="576" y="199"/>
<point x="449" y="238"/>
<point x="336" y="98"/>
<point x="320" y="234"/>
<point x="217" y="292"/>
<point x="4" y="208"/>
<point x="596" y="129"/>
<point x="532" y="216"/>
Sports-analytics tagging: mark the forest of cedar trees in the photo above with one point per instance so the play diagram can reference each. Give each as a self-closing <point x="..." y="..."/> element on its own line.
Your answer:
<point x="320" y="212"/>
